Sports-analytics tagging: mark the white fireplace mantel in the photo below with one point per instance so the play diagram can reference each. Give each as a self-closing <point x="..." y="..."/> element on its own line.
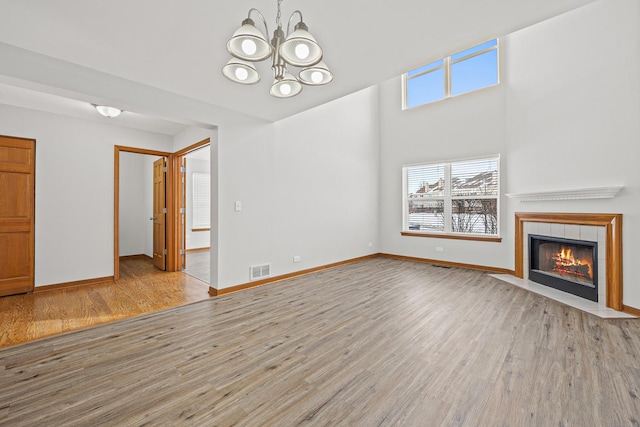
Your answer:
<point x="575" y="194"/>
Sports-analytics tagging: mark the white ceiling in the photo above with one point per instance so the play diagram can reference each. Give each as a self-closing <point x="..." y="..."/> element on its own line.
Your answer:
<point x="170" y="52"/>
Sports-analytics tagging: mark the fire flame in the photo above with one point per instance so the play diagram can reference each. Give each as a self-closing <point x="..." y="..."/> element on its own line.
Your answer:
<point x="566" y="263"/>
<point x="566" y="254"/>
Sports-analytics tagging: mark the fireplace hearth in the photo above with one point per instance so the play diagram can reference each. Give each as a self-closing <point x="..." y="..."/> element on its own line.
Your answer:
<point x="565" y="264"/>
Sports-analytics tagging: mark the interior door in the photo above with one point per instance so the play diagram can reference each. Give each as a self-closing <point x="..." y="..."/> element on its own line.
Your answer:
<point x="183" y="211"/>
<point x="159" y="213"/>
<point x="17" y="215"/>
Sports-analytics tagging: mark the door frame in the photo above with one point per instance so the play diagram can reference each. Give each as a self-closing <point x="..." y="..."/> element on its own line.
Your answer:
<point x="170" y="201"/>
<point x="177" y="196"/>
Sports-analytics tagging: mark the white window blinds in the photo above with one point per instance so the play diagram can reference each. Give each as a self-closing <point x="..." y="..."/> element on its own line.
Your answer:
<point x="455" y="197"/>
<point x="201" y="200"/>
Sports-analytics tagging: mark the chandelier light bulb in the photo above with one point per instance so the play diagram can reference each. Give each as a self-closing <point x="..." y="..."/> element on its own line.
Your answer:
<point x="285" y="89"/>
<point x="249" y="46"/>
<point x="316" y="77"/>
<point x="302" y="51"/>
<point x="241" y="74"/>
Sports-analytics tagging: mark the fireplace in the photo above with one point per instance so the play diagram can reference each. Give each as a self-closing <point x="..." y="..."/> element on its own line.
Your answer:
<point x="566" y="264"/>
<point x="606" y="229"/>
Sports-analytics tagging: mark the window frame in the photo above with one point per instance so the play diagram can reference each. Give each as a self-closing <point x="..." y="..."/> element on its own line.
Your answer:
<point x="447" y="64"/>
<point x="447" y="232"/>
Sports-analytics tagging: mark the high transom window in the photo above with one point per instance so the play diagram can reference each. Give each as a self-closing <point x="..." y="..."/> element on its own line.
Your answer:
<point x="472" y="69"/>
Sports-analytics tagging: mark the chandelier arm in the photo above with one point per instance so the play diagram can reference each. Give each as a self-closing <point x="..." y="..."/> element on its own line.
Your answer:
<point x="264" y="21"/>
<point x="290" y="18"/>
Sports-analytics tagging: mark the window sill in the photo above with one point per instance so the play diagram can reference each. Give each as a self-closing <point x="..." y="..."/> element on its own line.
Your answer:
<point x="200" y="229"/>
<point x="453" y="236"/>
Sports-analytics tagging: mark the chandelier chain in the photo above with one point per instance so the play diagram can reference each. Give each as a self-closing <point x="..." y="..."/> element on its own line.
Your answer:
<point x="279" y="15"/>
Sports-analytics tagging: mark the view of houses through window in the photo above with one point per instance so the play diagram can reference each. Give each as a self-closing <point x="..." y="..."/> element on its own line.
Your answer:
<point x="455" y="197"/>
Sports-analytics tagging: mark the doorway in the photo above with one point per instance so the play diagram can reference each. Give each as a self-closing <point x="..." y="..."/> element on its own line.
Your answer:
<point x="175" y="210"/>
<point x="140" y="225"/>
<point x="194" y="199"/>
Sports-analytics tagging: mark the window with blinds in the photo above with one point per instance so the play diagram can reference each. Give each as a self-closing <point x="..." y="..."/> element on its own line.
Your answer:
<point x="201" y="200"/>
<point x="454" y="197"/>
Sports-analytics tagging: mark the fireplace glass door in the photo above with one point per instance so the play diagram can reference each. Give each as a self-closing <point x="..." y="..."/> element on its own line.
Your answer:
<point x="565" y="264"/>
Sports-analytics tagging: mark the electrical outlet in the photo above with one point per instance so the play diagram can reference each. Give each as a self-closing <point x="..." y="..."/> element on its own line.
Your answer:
<point x="296" y="258"/>
<point x="238" y="206"/>
<point x="439" y="249"/>
<point x="370" y="244"/>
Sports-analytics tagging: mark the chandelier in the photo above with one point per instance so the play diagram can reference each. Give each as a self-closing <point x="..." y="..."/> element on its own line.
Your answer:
<point x="298" y="49"/>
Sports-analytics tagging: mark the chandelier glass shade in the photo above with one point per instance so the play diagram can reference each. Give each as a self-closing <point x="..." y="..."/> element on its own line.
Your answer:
<point x="296" y="49"/>
<point x="241" y="71"/>
<point x="248" y="43"/>
<point x="315" y="75"/>
<point x="285" y="87"/>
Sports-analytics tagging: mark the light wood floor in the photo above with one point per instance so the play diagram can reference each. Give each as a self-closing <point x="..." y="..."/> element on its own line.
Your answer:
<point x="141" y="289"/>
<point x="198" y="265"/>
<point x="379" y="342"/>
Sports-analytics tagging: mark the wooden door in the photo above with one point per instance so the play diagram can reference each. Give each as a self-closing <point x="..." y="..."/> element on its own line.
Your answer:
<point x="17" y="215"/>
<point x="183" y="211"/>
<point x="159" y="213"/>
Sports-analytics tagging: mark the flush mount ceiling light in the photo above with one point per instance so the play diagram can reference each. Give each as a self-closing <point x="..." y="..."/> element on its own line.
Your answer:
<point x="297" y="49"/>
<point x="107" y="111"/>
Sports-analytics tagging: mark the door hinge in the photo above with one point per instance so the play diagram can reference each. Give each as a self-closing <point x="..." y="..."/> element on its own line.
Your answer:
<point x="164" y="169"/>
<point x="164" y="210"/>
<point x="164" y="251"/>
<point x="182" y="251"/>
<point x="183" y="169"/>
<point x="183" y="210"/>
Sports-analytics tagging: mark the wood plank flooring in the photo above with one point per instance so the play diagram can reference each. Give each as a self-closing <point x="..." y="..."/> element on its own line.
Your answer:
<point x="141" y="289"/>
<point x="199" y="265"/>
<point x="378" y="342"/>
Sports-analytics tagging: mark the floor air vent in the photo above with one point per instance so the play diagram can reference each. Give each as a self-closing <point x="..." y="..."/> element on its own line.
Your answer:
<point x="260" y="271"/>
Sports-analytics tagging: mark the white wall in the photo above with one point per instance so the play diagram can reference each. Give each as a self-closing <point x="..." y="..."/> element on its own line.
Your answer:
<point x="193" y="135"/>
<point x="573" y="112"/>
<point x="308" y="187"/>
<point x="564" y="117"/>
<point x="136" y="204"/>
<point x="74" y="190"/>
<point x="470" y="125"/>
<point x="132" y="219"/>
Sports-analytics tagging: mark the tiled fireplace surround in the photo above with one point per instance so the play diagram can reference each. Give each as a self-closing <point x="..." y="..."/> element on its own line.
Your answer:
<point x="606" y="229"/>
